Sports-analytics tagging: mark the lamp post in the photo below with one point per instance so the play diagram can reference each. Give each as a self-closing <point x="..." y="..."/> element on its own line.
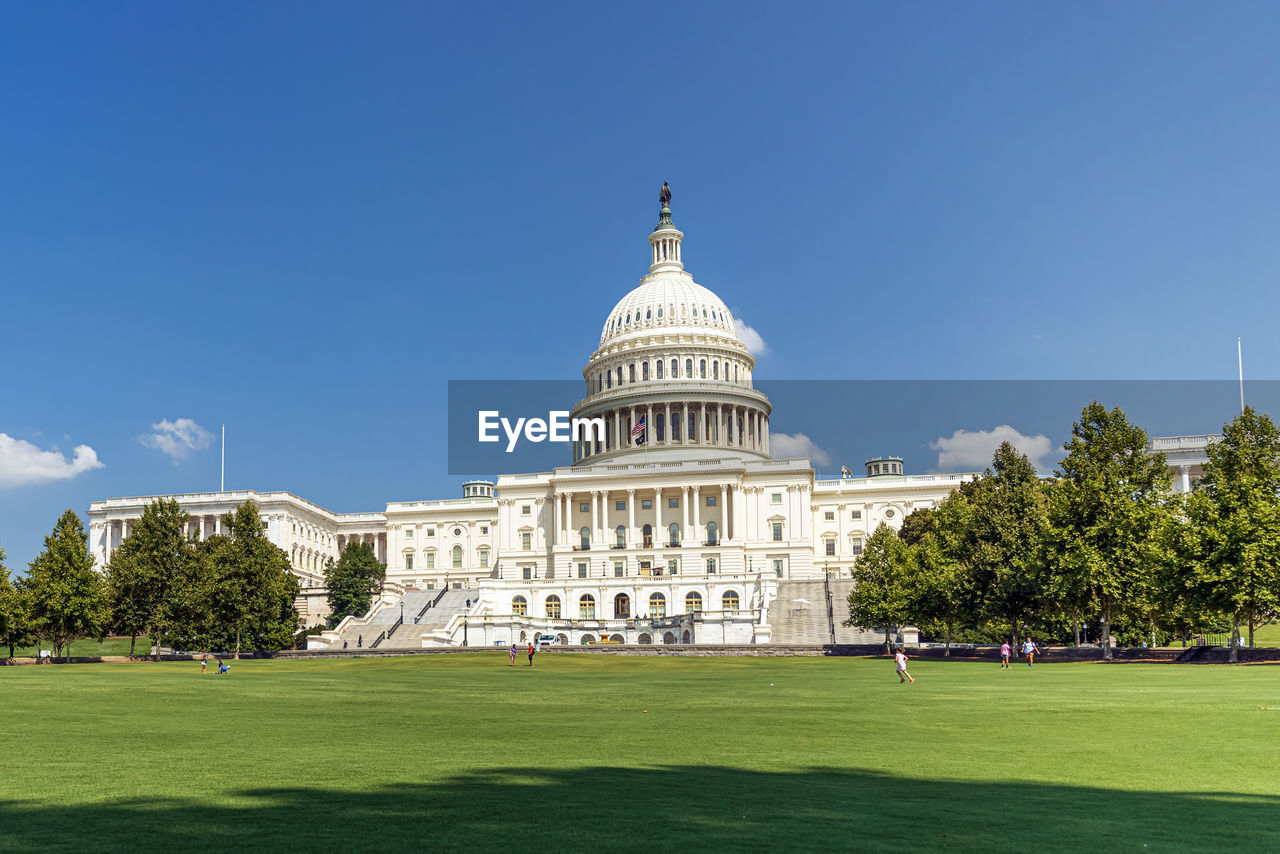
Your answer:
<point x="464" y="632"/>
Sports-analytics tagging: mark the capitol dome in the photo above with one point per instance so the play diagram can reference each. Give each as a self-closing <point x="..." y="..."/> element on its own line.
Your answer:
<point x="667" y="303"/>
<point x="670" y="375"/>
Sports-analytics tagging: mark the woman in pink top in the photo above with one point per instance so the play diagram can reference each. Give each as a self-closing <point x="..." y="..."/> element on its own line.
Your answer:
<point x="1004" y="655"/>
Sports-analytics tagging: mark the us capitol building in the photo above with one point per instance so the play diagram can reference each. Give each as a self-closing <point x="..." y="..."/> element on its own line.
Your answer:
<point x="675" y="526"/>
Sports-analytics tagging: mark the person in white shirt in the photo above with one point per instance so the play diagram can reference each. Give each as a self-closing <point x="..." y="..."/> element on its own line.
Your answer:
<point x="1029" y="649"/>
<point x="903" y="675"/>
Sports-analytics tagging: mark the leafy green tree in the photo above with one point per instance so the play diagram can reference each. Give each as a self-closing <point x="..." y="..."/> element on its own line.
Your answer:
<point x="941" y="588"/>
<point x="13" y="620"/>
<point x="1235" y="525"/>
<point x="66" y="598"/>
<point x="353" y="581"/>
<point x="1005" y="547"/>
<point x="1107" y="513"/>
<point x="252" y="589"/>
<point x="143" y="570"/>
<point x="881" y="590"/>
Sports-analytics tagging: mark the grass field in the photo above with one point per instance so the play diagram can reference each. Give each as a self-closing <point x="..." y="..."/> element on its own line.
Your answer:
<point x="89" y="648"/>
<point x="751" y="754"/>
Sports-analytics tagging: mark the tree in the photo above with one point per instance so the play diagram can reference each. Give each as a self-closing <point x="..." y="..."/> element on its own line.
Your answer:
<point x="1234" y="517"/>
<point x="252" y="589"/>
<point x="941" y="586"/>
<point x="142" y="571"/>
<point x="12" y="611"/>
<point x="353" y="581"/>
<point x="1009" y="519"/>
<point x="881" y="595"/>
<point x="1107" y="512"/>
<point x="67" y="599"/>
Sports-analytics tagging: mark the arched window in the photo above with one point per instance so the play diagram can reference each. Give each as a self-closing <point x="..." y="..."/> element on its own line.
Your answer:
<point x="631" y="372"/>
<point x="619" y="374"/>
<point x="585" y="536"/>
<point x="688" y="367"/>
<point x="608" y="379"/>
<point x="553" y="607"/>
<point x="711" y="533"/>
<point x="587" y="607"/>
<point x="674" y="531"/>
<point x="457" y="557"/>
<point x="647" y="531"/>
<point x="658" y="365"/>
<point x="519" y="606"/>
<point x="715" y="370"/>
<point x="726" y="371"/>
<point x="484" y="557"/>
<point x="644" y="371"/>
<point x="675" y="369"/>
<point x="692" y="602"/>
<point x="657" y="605"/>
<point x="621" y="607"/>
<point x="621" y="533"/>
<point x="648" y="314"/>
<point x="659" y="312"/>
<point x="729" y="601"/>
<point x="702" y="369"/>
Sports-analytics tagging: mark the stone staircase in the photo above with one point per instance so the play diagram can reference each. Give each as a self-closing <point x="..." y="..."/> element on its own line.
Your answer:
<point x="409" y="634"/>
<point x="800" y="614"/>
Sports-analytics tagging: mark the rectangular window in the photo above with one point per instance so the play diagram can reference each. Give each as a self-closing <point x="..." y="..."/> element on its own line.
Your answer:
<point x="525" y="510"/>
<point x="777" y="567"/>
<point x="527" y="572"/>
<point x="711" y="501"/>
<point x="775" y="498"/>
<point x="484" y="529"/>
<point x="856" y="514"/>
<point x="526" y="541"/>
<point x="582" y="570"/>
<point x="711" y="566"/>
<point x="856" y="545"/>
<point x="619" y="505"/>
<point x="484" y="557"/>
<point x="431" y="560"/>
<point x="831" y="548"/>
<point x="673" y="502"/>
<point x="673" y="567"/>
<point x="830" y="515"/>
<point x="584" y="508"/>
<point x="408" y="532"/>
<point x="408" y="562"/>
<point x="646" y="504"/>
<point x="619" y="569"/>
<point x="777" y="532"/>
<point x="431" y="532"/>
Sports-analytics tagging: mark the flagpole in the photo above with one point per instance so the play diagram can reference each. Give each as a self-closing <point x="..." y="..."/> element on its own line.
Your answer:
<point x="222" y="486"/>
<point x="1240" y="362"/>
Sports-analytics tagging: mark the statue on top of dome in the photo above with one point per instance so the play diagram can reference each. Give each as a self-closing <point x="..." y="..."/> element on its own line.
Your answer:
<point x="664" y="195"/>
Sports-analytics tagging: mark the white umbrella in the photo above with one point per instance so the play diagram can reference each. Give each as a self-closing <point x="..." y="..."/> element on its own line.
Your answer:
<point x="804" y="601"/>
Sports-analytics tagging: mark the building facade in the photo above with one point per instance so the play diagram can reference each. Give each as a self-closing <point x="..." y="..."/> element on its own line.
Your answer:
<point x="673" y="524"/>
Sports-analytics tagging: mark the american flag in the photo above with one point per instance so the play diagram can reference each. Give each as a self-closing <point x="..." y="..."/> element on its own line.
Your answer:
<point x="638" y="430"/>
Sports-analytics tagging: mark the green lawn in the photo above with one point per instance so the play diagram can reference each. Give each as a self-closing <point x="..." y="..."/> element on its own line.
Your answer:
<point x="88" y="648"/>
<point x="620" y="754"/>
<point x="1268" y="635"/>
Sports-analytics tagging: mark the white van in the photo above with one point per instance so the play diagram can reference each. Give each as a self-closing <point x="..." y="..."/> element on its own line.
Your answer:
<point x="545" y="640"/>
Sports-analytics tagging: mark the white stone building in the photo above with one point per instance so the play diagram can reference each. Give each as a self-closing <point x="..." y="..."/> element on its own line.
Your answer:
<point x="674" y="525"/>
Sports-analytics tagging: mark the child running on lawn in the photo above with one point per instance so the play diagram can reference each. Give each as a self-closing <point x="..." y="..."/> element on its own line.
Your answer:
<point x="903" y="675"/>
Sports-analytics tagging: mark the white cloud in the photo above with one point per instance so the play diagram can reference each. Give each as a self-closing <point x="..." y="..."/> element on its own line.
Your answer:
<point x="751" y="338"/>
<point x="782" y="445"/>
<point x="22" y="463"/>
<point x="972" y="450"/>
<point x="178" y="438"/>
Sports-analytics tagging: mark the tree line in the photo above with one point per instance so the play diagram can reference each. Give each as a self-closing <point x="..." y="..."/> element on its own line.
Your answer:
<point x="231" y="592"/>
<point x="1103" y="543"/>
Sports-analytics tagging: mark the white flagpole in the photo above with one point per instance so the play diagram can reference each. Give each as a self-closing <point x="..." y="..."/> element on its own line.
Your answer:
<point x="222" y="487"/>
<point x="1240" y="361"/>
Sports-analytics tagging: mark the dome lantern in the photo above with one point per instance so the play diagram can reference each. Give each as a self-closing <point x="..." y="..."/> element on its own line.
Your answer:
<point x="664" y="241"/>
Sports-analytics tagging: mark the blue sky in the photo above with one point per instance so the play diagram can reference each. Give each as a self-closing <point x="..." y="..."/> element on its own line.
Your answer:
<point x="303" y="219"/>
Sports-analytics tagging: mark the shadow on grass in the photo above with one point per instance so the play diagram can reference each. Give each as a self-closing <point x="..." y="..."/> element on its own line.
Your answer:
<point x="623" y="810"/>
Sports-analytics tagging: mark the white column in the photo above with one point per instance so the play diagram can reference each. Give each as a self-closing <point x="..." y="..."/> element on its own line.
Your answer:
<point x="739" y="515"/>
<point x="632" y="540"/>
<point x="766" y="434"/>
<point x="1186" y="477"/>
<point x="696" y="499"/>
<point x="558" y="531"/>
<point x="666" y="424"/>
<point x="649" y="432"/>
<point x="660" y="536"/>
<point x="201" y="527"/>
<point x="595" y="516"/>
<point x="684" y="504"/>
<point x="724" y="511"/>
